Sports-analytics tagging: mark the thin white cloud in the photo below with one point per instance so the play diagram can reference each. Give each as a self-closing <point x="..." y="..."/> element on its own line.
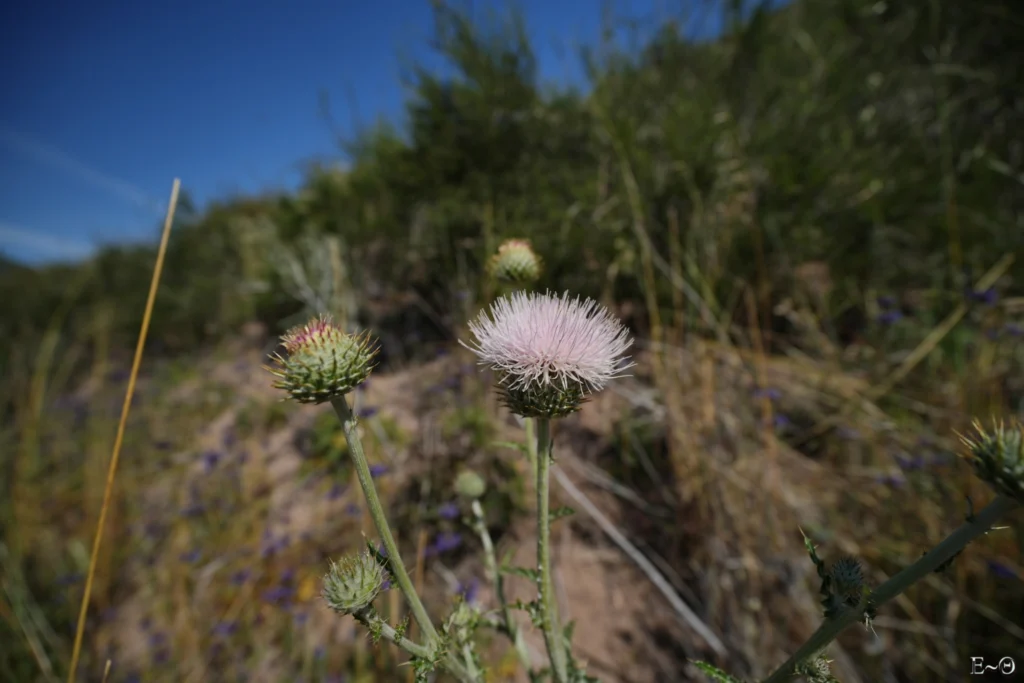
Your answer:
<point x="49" y="155"/>
<point x="40" y="244"/>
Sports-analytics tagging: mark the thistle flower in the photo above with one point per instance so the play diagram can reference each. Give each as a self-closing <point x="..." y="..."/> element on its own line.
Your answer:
<point x="998" y="458"/>
<point x="353" y="583"/>
<point x="322" y="361"/>
<point x="515" y="262"/>
<point x="551" y="352"/>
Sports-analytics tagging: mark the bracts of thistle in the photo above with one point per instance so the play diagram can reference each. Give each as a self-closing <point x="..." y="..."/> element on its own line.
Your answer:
<point x="322" y="363"/>
<point x="551" y="354"/>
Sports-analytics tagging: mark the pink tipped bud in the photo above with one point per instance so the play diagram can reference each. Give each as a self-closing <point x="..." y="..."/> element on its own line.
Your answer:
<point x="322" y="361"/>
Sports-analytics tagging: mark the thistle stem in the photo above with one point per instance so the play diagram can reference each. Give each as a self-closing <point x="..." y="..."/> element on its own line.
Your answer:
<point x="549" y="609"/>
<point x="978" y="525"/>
<point x="531" y="448"/>
<point x="355" y="449"/>
<point x="369" y="617"/>
<point x="508" y="624"/>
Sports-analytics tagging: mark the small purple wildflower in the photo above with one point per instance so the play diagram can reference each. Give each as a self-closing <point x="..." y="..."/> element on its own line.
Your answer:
<point x="1014" y="330"/>
<point x="240" y="577"/>
<point x="353" y="510"/>
<point x="210" y="459"/>
<point x="988" y="297"/>
<point x="445" y="542"/>
<point x="448" y="511"/>
<point x="336" y="491"/>
<point x="1001" y="570"/>
<point x="469" y="591"/>
<point x="378" y="470"/>
<point x="770" y="393"/>
<point x="367" y="412"/>
<point x="890" y="317"/>
<point x="278" y="595"/>
<point x="191" y="556"/>
<point x="780" y="421"/>
<point x="225" y="629"/>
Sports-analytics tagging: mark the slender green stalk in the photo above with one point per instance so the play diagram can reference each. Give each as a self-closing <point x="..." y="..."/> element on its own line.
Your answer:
<point x="471" y="670"/>
<point x="531" y="448"/>
<point x="355" y="449"/>
<point x="509" y="625"/>
<point x="549" y="608"/>
<point x="954" y="543"/>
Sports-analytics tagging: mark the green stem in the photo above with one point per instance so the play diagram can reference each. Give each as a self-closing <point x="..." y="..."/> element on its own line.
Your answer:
<point x="369" y="617"/>
<point x="355" y="449"/>
<point x="549" y="609"/>
<point x="954" y="543"/>
<point x="531" y="448"/>
<point x="509" y="625"/>
<point x="467" y="654"/>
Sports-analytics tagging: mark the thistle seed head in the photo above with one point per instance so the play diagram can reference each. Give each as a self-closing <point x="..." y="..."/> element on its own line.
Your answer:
<point x="997" y="455"/>
<point x="516" y="262"/>
<point x="550" y="352"/>
<point x="352" y="583"/>
<point x="322" y="361"/>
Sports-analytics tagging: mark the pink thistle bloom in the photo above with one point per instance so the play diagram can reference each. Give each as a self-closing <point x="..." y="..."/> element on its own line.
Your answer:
<point x="542" y="342"/>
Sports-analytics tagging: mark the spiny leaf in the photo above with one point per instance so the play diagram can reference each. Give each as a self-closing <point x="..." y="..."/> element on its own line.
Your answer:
<point x="522" y="448"/>
<point x="716" y="674"/>
<point x="524" y="572"/>
<point x="563" y="511"/>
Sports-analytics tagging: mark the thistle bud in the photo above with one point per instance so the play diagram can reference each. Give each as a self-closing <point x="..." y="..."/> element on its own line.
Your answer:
<point x="353" y="583"/>
<point x="470" y="485"/>
<point x="515" y="262"/>
<point x="997" y="456"/>
<point x="847" y="580"/>
<point x="322" y="361"/>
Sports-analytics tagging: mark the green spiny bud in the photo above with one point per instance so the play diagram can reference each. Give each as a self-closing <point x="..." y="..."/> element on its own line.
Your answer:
<point x="515" y="262"/>
<point x="847" y="580"/>
<point x="997" y="456"/>
<point x="353" y="582"/>
<point x="323" y="362"/>
<point x="470" y="485"/>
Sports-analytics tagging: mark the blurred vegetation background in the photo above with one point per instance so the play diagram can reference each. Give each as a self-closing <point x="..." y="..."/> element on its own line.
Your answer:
<point x="828" y="182"/>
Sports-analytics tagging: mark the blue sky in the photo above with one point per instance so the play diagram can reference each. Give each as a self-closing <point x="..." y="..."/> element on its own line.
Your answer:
<point x="104" y="104"/>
